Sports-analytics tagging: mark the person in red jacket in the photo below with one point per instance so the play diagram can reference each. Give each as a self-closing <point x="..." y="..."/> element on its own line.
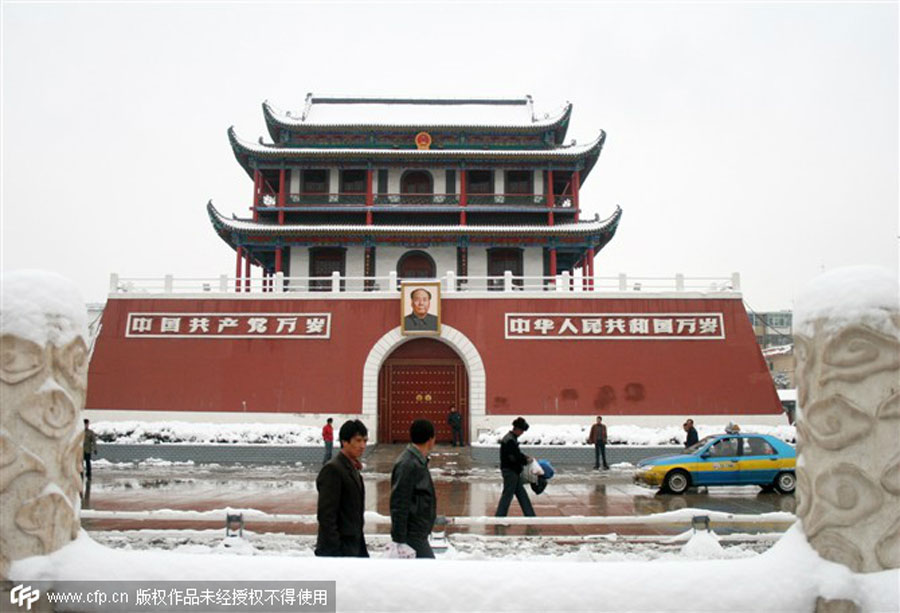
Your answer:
<point x="328" y="437"/>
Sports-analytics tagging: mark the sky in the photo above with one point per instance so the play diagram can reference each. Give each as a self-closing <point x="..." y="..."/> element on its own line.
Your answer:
<point x="759" y="138"/>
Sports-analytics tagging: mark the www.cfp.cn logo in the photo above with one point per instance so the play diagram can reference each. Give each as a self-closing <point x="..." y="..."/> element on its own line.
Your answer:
<point x="24" y="595"/>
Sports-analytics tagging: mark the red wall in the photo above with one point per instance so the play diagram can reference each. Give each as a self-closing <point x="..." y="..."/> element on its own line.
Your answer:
<point x="723" y="376"/>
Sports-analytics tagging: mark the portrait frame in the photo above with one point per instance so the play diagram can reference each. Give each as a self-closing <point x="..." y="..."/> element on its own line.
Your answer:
<point x="431" y="323"/>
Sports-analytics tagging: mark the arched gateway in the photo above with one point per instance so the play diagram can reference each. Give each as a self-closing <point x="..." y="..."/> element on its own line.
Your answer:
<point x="407" y="378"/>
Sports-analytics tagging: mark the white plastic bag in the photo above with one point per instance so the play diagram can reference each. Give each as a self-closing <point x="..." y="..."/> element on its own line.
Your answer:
<point x="400" y="550"/>
<point x="532" y="471"/>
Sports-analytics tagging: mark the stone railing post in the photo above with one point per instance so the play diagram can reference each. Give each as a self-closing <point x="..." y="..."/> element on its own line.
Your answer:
<point x="847" y="344"/>
<point x="43" y="381"/>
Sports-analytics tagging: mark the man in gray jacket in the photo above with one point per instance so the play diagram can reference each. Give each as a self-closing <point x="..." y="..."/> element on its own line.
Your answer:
<point x="413" y="502"/>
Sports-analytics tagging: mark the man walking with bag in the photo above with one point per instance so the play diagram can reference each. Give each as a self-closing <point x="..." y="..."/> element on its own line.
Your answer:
<point x="512" y="460"/>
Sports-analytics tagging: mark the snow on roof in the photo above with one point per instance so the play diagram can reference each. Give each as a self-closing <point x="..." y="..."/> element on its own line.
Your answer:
<point x="580" y="227"/>
<point x="785" y="395"/>
<point x="854" y="293"/>
<point x="780" y="350"/>
<point x="571" y="152"/>
<point x="43" y="307"/>
<point x="397" y="111"/>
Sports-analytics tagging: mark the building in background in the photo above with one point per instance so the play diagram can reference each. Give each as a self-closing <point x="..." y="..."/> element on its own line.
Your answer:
<point x="363" y="206"/>
<point x="772" y="328"/>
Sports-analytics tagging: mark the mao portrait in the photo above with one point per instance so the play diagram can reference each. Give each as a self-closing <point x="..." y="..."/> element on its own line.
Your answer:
<point x="420" y="308"/>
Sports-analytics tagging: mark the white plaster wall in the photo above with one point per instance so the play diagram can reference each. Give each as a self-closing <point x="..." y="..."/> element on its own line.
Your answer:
<point x="499" y="181"/>
<point x="294" y="181"/>
<point x="538" y="181"/>
<point x="533" y="261"/>
<point x="355" y="267"/>
<point x="334" y="180"/>
<point x="386" y="259"/>
<point x="300" y="262"/>
<point x="478" y="267"/>
<point x="438" y="175"/>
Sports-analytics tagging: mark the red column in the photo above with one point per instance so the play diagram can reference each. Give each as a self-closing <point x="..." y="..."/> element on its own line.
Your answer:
<point x="282" y="196"/>
<point x="257" y="178"/>
<point x="463" y="196"/>
<point x="370" y="198"/>
<point x="576" y="187"/>
<point x="590" y="268"/>
<point x="237" y="269"/>
<point x="550" y="202"/>
<point x="553" y="262"/>
<point x="247" y="272"/>
<point x="278" y="257"/>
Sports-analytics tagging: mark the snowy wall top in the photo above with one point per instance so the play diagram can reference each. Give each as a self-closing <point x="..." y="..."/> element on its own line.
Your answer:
<point x="41" y="306"/>
<point x="853" y="293"/>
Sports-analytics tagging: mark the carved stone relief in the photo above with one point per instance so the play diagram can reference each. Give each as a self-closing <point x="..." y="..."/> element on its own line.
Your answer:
<point x="43" y="381"/>
<point x="848" y="431"/>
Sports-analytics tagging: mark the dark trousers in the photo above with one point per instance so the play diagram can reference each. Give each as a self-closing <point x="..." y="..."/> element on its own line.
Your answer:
<point x="87" y="465"/>
<point x="600" y="450"/>
<point x="421" y="545"/>
<point x="512" y="484"/>
<point x="329" y="446"/>
<point x="457" y="437"/>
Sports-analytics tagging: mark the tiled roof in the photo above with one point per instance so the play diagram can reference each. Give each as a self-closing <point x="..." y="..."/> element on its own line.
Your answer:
<point x="271" y="151"/>
<point x="580" y="228"/>
<point x="334" y="111"/>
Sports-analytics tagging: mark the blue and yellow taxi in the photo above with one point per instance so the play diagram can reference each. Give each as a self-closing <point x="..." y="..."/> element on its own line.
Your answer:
<point x="723" y="459"/>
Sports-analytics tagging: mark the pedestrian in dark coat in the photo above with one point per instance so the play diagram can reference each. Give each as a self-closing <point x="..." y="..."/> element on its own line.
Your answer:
<point x="342" y="497"/>
<point x="512" y="461"/>
<point x="692" y="437"/>
<point x="413" y="501"/>
<point x="454" y="420"/>
<point x="90" y="448"/>
<point x="597" y="438"/>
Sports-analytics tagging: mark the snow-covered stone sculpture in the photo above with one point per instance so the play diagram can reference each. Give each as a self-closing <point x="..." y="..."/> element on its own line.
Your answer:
<point x="847" y="343"/>
<point x="43" y="381"/>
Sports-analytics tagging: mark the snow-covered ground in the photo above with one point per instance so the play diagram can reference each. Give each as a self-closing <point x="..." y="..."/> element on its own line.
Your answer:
<point x="287" y="434"/>
<point x="788" y="577"/>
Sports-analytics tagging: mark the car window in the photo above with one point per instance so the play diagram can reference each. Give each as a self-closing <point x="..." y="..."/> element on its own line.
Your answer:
<point x="754" y="445"/>
<point x="696" y="446"/>
<point x="726" y="447"/>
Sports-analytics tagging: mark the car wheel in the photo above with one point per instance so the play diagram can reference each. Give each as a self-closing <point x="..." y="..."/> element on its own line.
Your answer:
<point x="677" y="481"/>
<point x="785" y="482"/>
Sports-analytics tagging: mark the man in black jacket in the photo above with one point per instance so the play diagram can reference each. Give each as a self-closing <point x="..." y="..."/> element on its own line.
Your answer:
<point x="342" y="496"/>
<point x="691" y="438"/>
<point x="512" y="460"/>
<point x="413" y="502"/>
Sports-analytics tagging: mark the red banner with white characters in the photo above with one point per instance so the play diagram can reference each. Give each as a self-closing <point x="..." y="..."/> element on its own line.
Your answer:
<point x="614" y="326"/>
<point x="228" y="325"/>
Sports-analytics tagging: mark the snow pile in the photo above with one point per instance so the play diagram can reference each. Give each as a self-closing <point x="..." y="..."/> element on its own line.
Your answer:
<point x="703" y="545"/>
<point x="788" y="577"/>
<point x="575" y="435"/>
<point x="843" y="295"/>
<point x="138" y="432"/>
<point x="42" y="307"/>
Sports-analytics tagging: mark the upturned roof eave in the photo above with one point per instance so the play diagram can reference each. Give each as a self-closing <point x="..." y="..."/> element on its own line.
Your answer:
<point x="558" y="124"/>
<point x="243" y="151"/>
<point x="228" y="227"/>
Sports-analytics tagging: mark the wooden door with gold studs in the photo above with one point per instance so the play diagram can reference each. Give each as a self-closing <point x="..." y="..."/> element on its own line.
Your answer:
<point x="422" y="379"/>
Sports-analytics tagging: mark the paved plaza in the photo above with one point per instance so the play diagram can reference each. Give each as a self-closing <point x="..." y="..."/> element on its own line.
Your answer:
<point x="464" y="488"/>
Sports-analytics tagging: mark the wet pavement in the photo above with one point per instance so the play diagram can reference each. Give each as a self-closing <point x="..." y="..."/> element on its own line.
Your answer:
<point x="463" y="487"/>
